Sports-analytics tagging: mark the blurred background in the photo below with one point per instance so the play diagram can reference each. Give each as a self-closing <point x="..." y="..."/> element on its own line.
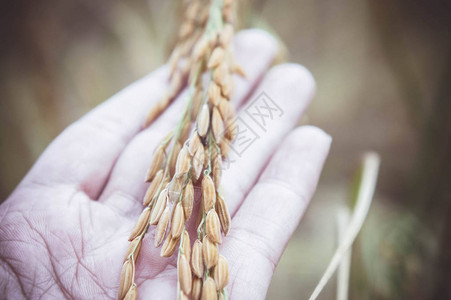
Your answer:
<point x="383" y="71"/>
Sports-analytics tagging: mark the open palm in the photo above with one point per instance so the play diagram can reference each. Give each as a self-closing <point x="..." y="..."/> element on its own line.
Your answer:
<point x="64" y="230"/>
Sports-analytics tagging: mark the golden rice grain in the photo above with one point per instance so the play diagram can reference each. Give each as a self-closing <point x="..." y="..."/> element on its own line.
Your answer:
<point x="174" y="87"/>
<point x="165" y="184"/>
<point x="156" y="163"/>
<point x="183" y="162"/>
<point x="224" y="108"/>
<point x="159" y="207"/>
<point x="217" y="125"/>
<point x="178" y="221"/>
<point x="174" y="67"/>
<point x="196" y="104"/>
<point x="208" y="193"/>
<point x="188" y="199"/>
<point x="203" y="121"/>
<point x="228" y="14"/>
<point x="189" y="43"/>
<point x="162" y="226"/>
<point x="192" y="10"/>
<point x="217" y="56"/>
<point x="223" y="214"/>
<point x="220" y="74"/>
<point x="143" y="220"/>
<point x="157" y="109"/>
<point x="209" y="290"/>
<point x="196" y="290"/>
<point x="174" y="60"/>
<point x="213" y="227"/>
<point x="210" y="252"/>
<point x="134" y="245"/>
<point x="175" y="84"/>
<point x="184" y="274"/>
<point x="221" y="272"/>
<point x="200" y="214"/>
<point x="202" y="17"/>
<point x="197" y="259"/>
<point x="200" y="49"/>
<point x="198" y="163"/>
<point x="193" y="143"/>
<point x="126" y="278"/>
<point x="186" y="245"/>
<point x="173" y="158"/>
<point x="169" y="246"/>
<point x="184" y="66"/>
<point x="153" y="187"/>
<point x="227" y="86"/>
<point x="186" y="29"/>
<point x="132" y="293"/>
<point x="214" y="94"/>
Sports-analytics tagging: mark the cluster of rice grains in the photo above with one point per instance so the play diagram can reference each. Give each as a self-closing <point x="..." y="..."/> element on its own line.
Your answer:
<point x="191" y="156"/>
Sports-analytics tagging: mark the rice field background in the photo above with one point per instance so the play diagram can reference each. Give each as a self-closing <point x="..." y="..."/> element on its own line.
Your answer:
<point x="383" y="72"/>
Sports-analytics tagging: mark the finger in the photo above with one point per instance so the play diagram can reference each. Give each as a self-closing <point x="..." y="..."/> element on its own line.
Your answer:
<point x="255" y="50"/>
<point x="84" y="153"/>
<point x="271" y="212"/>
<point x="288" y="89"/>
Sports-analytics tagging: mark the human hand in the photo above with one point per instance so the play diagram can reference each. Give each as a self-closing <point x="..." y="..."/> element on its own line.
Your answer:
<point x="64" y="230"/>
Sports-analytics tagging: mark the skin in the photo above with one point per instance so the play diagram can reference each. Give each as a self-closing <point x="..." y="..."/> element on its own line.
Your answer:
<point x="64" y="229"/>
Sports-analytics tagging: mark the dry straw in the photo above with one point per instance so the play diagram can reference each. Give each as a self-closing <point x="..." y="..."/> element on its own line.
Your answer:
<point x="191" y="155"/>
<point x="365" y="194"/>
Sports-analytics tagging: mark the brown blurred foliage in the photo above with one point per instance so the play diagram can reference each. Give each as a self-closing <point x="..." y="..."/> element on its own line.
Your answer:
<point x="383" y="72"/>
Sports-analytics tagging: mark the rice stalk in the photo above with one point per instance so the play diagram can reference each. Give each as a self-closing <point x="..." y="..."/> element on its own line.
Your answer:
<point x="192" y="154"/>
